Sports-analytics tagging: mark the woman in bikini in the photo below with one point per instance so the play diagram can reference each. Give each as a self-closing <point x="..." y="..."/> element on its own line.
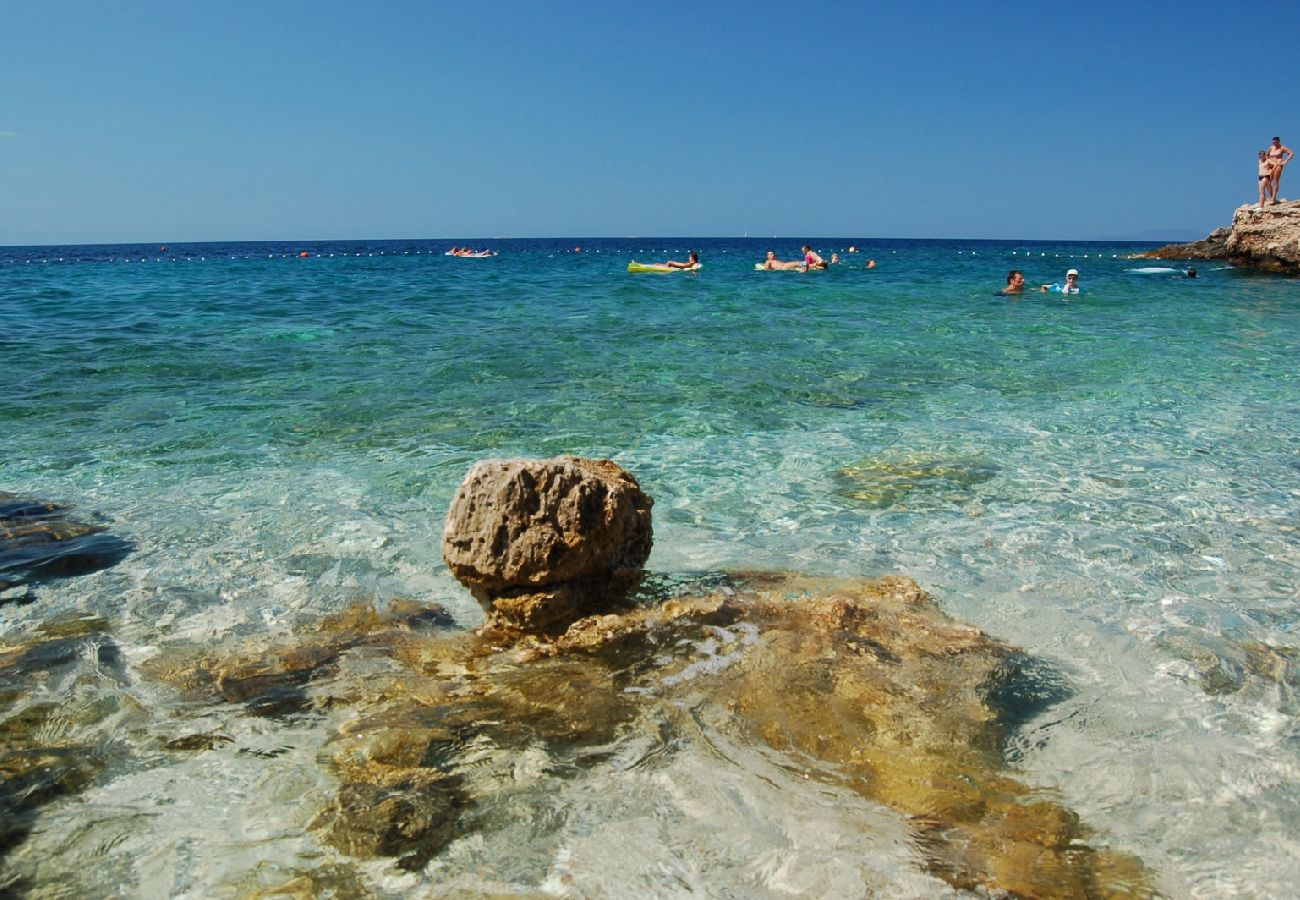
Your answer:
<point x="1265" y="178"/>
<point x="1280" y="156"/>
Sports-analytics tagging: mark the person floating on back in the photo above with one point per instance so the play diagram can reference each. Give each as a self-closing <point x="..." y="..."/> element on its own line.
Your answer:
<point x="778" y="265"/>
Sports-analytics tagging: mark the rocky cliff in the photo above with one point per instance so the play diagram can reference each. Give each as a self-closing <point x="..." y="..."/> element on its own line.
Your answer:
<point x="1265" y="238"/>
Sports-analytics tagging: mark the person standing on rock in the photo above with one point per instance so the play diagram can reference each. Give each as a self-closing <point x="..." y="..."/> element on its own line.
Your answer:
<point x="1279" y="156"/>
<point x="1265" y="178"/>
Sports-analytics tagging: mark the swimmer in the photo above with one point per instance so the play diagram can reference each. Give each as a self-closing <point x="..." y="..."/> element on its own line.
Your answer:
<point x="1280" y="156"/>
<point x="1071" y="285"/>
<point x="692" y="261"/>
<point x="811" y="259"/>
<point x="1015" y="282"/>
<point x="871" y="264"/>
<point x="835" y="259"/>
<point x="1191" y="273"/>
<point x="777" y="265"/>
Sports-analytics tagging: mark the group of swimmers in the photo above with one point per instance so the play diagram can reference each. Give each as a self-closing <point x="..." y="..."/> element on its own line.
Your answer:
<point x="811" y="260"/>
<point x="1016" y="283"/>
<point x="469" y="251"/>
<point x="1271" y="162"/>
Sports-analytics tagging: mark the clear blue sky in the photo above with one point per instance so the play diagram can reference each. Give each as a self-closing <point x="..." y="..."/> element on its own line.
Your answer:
<point x="144" y="121"/>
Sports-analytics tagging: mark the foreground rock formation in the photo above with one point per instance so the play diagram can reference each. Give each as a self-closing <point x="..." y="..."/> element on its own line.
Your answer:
<point x="865" y="685"/>
<point x="1267" y="239"/>
<point x="540" y="542"/>
<point x="442" y="739"/>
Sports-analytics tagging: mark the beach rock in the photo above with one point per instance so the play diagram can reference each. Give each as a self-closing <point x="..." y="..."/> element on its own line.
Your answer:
<point x="541" y="542"/>
<point x="1267" y="239"/>
<point x="1213" y="247"/>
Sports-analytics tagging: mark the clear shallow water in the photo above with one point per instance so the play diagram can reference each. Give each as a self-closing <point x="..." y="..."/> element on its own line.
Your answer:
<point x="1110" y="483"/>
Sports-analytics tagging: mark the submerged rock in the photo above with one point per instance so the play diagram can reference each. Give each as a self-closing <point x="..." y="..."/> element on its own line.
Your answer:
<point x="1226" y="664"/>
<point x="39" y="541"/>
<point x="274" y="680"/>
<point x="882" y="483"/>
<point x="541" y="542"/>
<point x="862" y="684"/>
<point x="50" y="750"/>
<point x="1266" y="238"/>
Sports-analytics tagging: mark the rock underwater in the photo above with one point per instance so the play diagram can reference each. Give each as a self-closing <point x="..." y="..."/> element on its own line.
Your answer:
<point x="39" y="541"/>
<point x="861" y="684"/>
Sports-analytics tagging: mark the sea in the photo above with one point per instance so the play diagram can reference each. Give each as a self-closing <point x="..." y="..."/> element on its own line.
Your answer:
<point x="274" y="431"/>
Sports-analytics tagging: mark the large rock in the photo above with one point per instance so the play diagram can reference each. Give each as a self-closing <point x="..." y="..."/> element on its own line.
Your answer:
<point x="1265" y="238"/>
<point x="866" y="686"/>
<point x="540" y="542"/>
<point x="1215" y="246"/>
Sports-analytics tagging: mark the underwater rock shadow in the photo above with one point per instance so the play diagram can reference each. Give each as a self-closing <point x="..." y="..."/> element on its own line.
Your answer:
<point x="41" y="542"/>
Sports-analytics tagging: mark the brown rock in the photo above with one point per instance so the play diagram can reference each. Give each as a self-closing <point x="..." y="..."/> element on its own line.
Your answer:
<point x="1265" y="238"/>
<point x="539" y="542"/>
<point x="1213" y="247"/>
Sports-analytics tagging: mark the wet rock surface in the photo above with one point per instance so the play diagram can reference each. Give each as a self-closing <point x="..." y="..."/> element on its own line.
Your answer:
<point x="41" y="541"/>
<point x="57" y="723"/>
<point x="541" y="542"/>
<point x="866" y="685"/>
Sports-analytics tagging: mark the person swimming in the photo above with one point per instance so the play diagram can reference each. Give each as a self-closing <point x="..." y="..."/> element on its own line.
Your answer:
<point x="775" y="264"/>
<point x="692" y="262"/>
<point x="1015" y="283"/>
<point x="1071" y="285"/>
<point x="811" y="259"/>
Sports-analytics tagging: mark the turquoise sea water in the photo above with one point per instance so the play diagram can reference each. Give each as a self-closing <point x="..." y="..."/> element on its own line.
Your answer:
<point x="1111" y="483"/>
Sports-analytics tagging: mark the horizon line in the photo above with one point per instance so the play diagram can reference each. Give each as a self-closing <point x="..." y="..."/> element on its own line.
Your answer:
<point x="566" y="238"/>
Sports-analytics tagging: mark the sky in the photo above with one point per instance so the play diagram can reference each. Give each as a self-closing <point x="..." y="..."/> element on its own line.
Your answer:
<point x="184" y="121"/>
